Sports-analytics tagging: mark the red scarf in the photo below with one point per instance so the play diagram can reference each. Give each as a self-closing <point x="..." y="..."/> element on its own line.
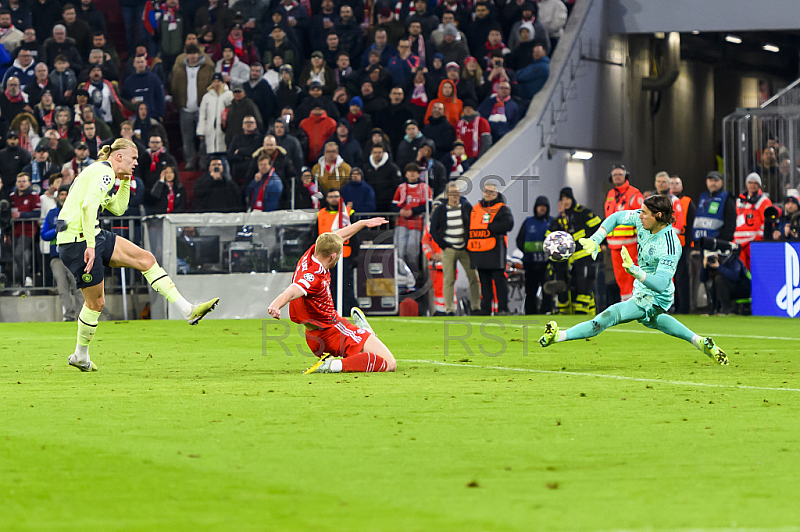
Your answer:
<point x="25" y="143"/>
<point x="499" y="106"/>
<point x="259" y="203"/>
<point x="419" y="97"/>
<point x="62" y="131"/>
<point x="352" y="118"/>
<point x="238" y="46"/>
<point x="14" y="99"/>
<point x="154" y="159"/>
<point x="166" y="10"/>
<point x="226" y="69"/>
<point x="170" y="198"/>
<point x="48" y="118"/>
<point x="412" y="9"/>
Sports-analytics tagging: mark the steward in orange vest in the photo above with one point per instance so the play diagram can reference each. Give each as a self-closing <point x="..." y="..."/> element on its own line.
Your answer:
<point x="623" y="197"/>
<point x="750" y="207"/>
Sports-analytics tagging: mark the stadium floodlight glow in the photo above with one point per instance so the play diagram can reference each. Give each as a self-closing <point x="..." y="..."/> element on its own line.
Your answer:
<point x="771" y="48"/>
<point x="734" y="39"/>
<point x="582" y="155"/>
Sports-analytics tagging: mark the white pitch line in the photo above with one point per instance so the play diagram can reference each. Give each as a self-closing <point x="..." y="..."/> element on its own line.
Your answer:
<point x="613" y="329"/>
<point x="604" y="376"/>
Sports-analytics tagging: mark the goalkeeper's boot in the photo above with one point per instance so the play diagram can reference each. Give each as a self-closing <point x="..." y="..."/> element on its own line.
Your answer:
<point x="550" y="334"/>
<point x="359" y="320"/>
<point x="713" y="351"/>
<point x="88" y="366"/>
<point x="201" y="309"/>
<point x="323" y="365"/>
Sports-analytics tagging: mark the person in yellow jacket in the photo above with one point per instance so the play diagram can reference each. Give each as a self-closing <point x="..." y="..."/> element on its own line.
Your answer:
<point x="86" y="250"/>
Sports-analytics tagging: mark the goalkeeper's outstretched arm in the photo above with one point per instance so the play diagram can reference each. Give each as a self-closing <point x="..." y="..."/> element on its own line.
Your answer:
<point x="592" y="244"/>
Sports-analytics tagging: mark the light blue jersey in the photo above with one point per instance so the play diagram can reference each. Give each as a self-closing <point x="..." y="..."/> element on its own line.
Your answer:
<point x="658" y="256"/>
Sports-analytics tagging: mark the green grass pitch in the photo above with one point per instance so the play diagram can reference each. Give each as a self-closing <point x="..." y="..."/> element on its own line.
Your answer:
<point x="215" y="428"/>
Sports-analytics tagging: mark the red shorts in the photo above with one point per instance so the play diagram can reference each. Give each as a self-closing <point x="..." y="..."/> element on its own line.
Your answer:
<point x="341" y="340"/>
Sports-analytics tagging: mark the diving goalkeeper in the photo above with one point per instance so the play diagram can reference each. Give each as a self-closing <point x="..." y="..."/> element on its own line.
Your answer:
<point x="653" y="291"/>
<point x="86" y="249"/>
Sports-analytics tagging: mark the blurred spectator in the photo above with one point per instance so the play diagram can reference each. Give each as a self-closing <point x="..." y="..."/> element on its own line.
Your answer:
<point x="317" y="70"/>
<point x="22" y="69"/>
<point x="44" y="15"/>
<point x="209" y="123"/>
<point x="501" y="111"/>
<point x="453" y="46"/>
<point x="63" y="123"/>
<point x="44" y="111"/>
<point x="319" y="127"/>
<point x="260" y="92"/>
<point x="530" y="240"/>
<point x="60" y="149"/>
<point x="144" y="126"/>
<point x="81" y="160"/>
<point x="290" y="143"/>
<point x="381" y="47"/>
<point x="41" y="169"/>
<point x="279" y="160"/>
<point x="145" y="87"/>
<point x="346" y="76"/>
<point x="726" y="279"/>
<point x="10" y="37"/>
<point x="410" y="200"/>
<point x="278" y="44"/>
<point x="63" y="80"/>
<point x="25" y="204"/>
<point x="402" y="65"/>
<point x="750" y="217"/>
<point x="393" y="118"/>
<point x="496" y="74"/>
<point x="241" y="47"/>
<point x="390" y="23"/>
<point x="77" y="29"/>
<point x="360" y="123"/>
<point x="297" y="18"/>
<point x="474" y="131"/>
<point x="214" y="191"/>
<point x="768" y="169"/>
<point x="459" y="14"/>
<point x="407" y="149"/>
<point x="191" y="78"/>
<point x="472" y="81"/>
<point x="420" y="44"/>
<point x="232" y="69"/>
<point x="242" y="147"/>
<point x="100" y="42"/>
<point x="61" y="45"/>
<point x="330" y="49"/>
<point x="682" y="279"/>
<point x="265" y="190"/>
<point x="431" y="170"/>
<point x="104" y="98"/>
<point x="358" y="194"/>
<point x="88" y="116"/>
<point x="97" y="60"/>
<point x="307" y="196"/>
<point x="788" y="173"/>
<point x="349" y="147"/>
<point x="169" y="33"/>
<point x="159" y="160"/>
<point x="27" y="126"/>
<point x="456" y="161"/>
<point x="70" y="297"/>
<point x="530" y="15"/>
<point x="490" y="222"/>
<point x="448" y="97"/>
<point x="478" y="30"/>
<point x="88" y="134"/>
<point x="553" y="16"/>
<point x="531" y="78"/>
<point x="12" y="100"/>
<point x="384" y="177"/>
<point x="216" y="15"/>
<point x="439" y="129"/>
<point x="152" y="63"/>
<point x="272" y="74"/>
<point x="12" y="160"/>
<point x="428" y="21"/>
<point x="39" y="84"/>
<point x="168" y="194"/>
<point x="351" y="37"/>
<point x="288" y="93"/>
<point x="240" y="107"/>
<point x="331" y="171"/>
<point x="522" y="55"/>
<point x="314" y="97"/>
<point x="790" y="218"/>
<point x="622" y="197"/>
<point x="374" y="103"/>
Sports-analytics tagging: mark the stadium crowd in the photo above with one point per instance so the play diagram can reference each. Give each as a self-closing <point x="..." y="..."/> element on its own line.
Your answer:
<point x="278" y="103"/>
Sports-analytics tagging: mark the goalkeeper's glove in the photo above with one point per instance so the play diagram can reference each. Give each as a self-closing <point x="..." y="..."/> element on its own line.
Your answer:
<point x="630" y="267"/>
<point x="590" y="246"/>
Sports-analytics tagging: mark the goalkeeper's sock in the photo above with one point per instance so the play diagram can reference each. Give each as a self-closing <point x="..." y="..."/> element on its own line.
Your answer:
<point x="667" y="324"/>
<point x="87" y="326"/>
<point x="161" y="283"/>
<point x="561" y="336"/>
<point x="362" y="362"/>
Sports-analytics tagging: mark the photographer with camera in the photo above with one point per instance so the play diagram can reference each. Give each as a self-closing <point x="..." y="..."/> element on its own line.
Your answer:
<point x="215" y="191"/>
<point x="724" y="275"/>
<point x="786" y="225"/>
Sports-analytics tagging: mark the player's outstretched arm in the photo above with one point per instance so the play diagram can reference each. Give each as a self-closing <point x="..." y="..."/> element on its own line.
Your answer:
<point x="290" y="294"/>
<point x="350" y="230"/>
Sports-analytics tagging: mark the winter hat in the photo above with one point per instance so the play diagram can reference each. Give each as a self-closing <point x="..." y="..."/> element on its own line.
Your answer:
<point x="792" y="199"/>
<point x="468" y="59"/>
<point x="468" y="102"/>
<point x="754" y="177"/>
<point x="357" y="170"/>
<point x="450" y="29"/>
<point x="356" y="100"/>
<point x="528" y="26"/>
<point x="566" y="192"/>
<point x="411" y="122"/>
<point x="714" y="175"/>
<point x="217" y="75"/>
<point x="452" y="64"/>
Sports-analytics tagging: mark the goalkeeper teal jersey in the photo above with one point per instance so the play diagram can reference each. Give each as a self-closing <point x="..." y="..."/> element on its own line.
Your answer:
<point x="89" y="194"/>
<point x="658" y="256"/>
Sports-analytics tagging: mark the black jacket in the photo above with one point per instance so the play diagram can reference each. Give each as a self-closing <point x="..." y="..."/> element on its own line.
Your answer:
<point x="217" y="196"/>
<point x="439" y="222"/>
<point x="442" y="133"/>
<point x="264" y="99"/>
<point x="160" y="195"/>
<point x="392" y="121"/>
<point x="495" y="258"/>
<point x="240" y="154"/>
<point x="384" y="180"/>
<point x="12" y="161"/>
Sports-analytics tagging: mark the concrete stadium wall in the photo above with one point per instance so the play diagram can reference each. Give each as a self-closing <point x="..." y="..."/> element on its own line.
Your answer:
<point x="48" y="308"/>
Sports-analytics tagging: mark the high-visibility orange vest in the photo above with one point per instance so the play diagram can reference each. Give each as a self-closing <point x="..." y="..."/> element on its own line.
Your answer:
<point x="325" y="219"/>
<point x="685" y="201"/>
<point x="479" y="237"/>
<point x="622" y="198"/>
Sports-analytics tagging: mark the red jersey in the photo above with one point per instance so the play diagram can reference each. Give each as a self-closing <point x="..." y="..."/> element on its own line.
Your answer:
<point x="28" y="202"/>
<point x="408" y="196"/>
<point x="316" y="306"/>
<point x="469" y="132"/>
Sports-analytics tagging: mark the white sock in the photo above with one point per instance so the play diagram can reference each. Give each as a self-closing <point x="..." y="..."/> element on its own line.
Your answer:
<point x="697" y="341"/>
<point x="561" y="336"/>
<point x="336" y="366"/>
<point x="81" y="354"/>
<point x="184" y="307"/>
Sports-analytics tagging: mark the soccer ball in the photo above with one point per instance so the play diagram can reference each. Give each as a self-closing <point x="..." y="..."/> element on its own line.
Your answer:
<point x="559" y="246"/>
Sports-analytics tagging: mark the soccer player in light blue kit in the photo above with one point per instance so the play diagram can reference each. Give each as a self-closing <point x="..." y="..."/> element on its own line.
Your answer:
<point x="653" y="291"/>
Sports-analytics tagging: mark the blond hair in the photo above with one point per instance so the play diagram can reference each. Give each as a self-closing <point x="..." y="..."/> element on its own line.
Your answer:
<point x="329" y="243"/>
<point x="119" y="144"/>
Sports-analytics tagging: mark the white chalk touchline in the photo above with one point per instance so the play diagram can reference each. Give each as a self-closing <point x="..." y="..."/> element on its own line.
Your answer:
<point x="604" y="376"/>
<point x="456" y="322"/>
